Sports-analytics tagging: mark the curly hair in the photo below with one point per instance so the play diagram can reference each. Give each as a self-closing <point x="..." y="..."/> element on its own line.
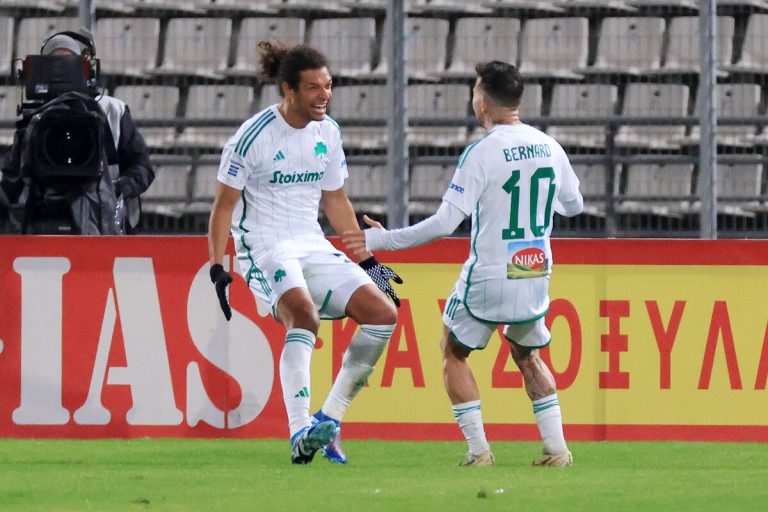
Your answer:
<point x="285" y="63"/>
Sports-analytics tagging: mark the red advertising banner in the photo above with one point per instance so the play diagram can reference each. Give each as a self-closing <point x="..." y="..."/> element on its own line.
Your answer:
<point x="123" y="337"/>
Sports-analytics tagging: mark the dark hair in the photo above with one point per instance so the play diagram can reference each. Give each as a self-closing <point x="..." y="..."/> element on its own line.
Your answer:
<point x="285" y="63"/>
<point x="501" y="81"/>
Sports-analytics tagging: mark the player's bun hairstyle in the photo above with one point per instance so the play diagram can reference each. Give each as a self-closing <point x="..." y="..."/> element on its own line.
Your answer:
<point x="501" y="81"/>
<point x="285" y="63"/>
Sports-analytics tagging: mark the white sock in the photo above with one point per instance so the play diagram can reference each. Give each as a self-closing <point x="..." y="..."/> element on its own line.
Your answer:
<point x="470" y="420"/>
<point x="549" y="419"/>
<point x="294" y="377"/>
<point x="359" y="360"/>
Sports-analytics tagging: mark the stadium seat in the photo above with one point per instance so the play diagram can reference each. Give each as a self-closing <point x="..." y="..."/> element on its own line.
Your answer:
<point x="426" y="40"/>
<point x="479" y="40"/>
<point x="594" y="6"/>
<point x="653" y="100"/>
<point x="554" y="47"/>
<point x="738" y="189"/>
<point x="225" y="7"/>
<point x="628" y="45"/>
<point x="254" y="30"/>
<point x="665" y="186"/>
<point x="101" y="6"/>
<point x="530" y="107"/>
<point x="428" y="183"/>
<point x="543" y="7"/>
<point x="32" y="32"/>
<point x="374" y="6"/>
<point x="292" y="6"/>
<point x="754" y="57"/>
<point x="268" y="95"/>
<point x="127" y="46"/>
<point x="215" y="102"/>
<point x="348" y="43"/>
<point x="592" y="185"/>
<point x="169" y="193"/>
<point x="10" y="98"/>
<point x="733" y="100"/>
<point x="196" y="46"/>
<point x="6" y="44"/>
<point x="367" y="187"/>
<point x="166" y="6"/>
<point x="682" y="55"/>
<point x="52" y="6"/>
<point x="666" y="6"/>
<point x="152" y="102"/>
<point x="361" y="103"/>
<point x="447" y="7"/>
<point x="446" y="102"/>
<point x="577" y="100"/>
<point x="204" y="184"/>
<point x="742" y="5"/>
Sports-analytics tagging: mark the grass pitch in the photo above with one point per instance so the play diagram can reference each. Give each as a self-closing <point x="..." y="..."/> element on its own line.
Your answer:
<point x="256" y="475"/>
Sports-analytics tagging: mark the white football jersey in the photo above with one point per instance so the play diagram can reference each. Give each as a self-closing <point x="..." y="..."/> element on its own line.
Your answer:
<point x="510" y="183"/>
<point x="282" y="172"/>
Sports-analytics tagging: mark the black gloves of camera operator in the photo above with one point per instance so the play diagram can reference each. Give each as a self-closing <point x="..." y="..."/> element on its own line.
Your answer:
<point x="126" y="187"/>
<point x="381" y="275"/>
<point x="221" y="279"/>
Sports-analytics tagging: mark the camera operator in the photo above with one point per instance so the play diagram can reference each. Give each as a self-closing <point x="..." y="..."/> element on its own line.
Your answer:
<point x="113" y="200"/>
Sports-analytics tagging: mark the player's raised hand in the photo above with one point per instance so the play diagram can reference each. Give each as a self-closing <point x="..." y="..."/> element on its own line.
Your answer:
<point x="355" y="241"/>
<point x="221" y="279"/>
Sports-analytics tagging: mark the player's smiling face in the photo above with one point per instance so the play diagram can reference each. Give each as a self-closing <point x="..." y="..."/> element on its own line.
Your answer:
<point x="310" y="101"/>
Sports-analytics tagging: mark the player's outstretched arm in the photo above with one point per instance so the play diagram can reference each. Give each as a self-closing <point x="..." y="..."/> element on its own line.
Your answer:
<point x="218" y="234"/>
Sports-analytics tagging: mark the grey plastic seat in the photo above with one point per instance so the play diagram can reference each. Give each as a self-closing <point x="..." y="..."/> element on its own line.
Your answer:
<point x="360" y="103"/>
<point x="542" y="7"/>
<point x="665" y="186"/>
<point x="593" y="179"/>
<point x="6" y="44"/>
<point x="447" y="7"/>
<point x="253" y="30"/>
<point x="291" y="6"/>
<point x="428" y="183"/>
<point x="440" y="102"/>
<point x="738" y="189"/>
<point x="683" y="52"/>
<point x="554" y="47"/>
<point x="754" y="57"/>
<point x="582" y="100"/>
<point x="653" y="100"/>
<point x="171" y="6"/>
<point x="127" y="46"/>
<point x="204" y="184"/>
<point x="481" y="40"/>
<point x="426" y="41"/>
<point x="367" y="187"/>
<point x="348" y="42"/>
<point x="152" y="102"/>
<point x="168" y="193"/>
<point x="733" y="100"/>
<point x="225" y="7"/>
<point x="10" y="98"/>
<point x="196" y="46"/>
<point x="268" y="95"/>
<point x="665" y="5"/>
<point x="215" y="102"/>
<point x="629" y="45"/>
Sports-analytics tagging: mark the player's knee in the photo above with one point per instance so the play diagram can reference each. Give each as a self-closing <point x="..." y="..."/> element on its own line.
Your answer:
<point x="302" y="316"/>
<point x="451" y="349"/>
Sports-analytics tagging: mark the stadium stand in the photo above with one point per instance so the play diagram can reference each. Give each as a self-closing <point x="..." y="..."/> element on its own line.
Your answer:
<point x="155" y="102"/>
<point x="10" y="97"/>
<point x="367" y="186"/>
<point x="428" y="184"/>
<point x="426" y="40"/>
<point x="657" y="189"/>
<point x="630" y="45"/>
<point x="653" y="100"/>
<point x="592" y="184"/>
<point x="196" y="46"/>
<point x="127" y="46"/>
<point x="169" y="193"/>
<point x="554" y="47"/>
<point x="733" y="100"/>
<point x="32" y="31"/>
<point x="478" y="39"/>
<point x="349" y="40"/>
<point x="356" y="104"/>
<point x="582" y="100"/>
<point x="738" y="187"/>
<point x="233" y="103"/>
<point x="438" y="102"/>
<point x="253" y="30"/>
<point x="683" y="51"/>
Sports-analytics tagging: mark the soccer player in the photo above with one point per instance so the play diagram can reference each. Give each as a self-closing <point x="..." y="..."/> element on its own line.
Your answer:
<point x="510" y="182"/>
<point x="276" y="171"/>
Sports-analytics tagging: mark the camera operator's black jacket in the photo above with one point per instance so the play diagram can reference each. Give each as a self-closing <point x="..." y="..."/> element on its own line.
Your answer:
<point x="135" y="170"/>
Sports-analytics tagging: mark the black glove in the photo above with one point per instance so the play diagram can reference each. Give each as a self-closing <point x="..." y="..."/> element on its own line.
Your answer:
<point x="126" y="186"/>
<point x="221" y="279"/>
<point x="381" y="275"/>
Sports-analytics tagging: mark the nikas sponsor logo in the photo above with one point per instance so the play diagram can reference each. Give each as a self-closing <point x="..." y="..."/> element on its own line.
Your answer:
<point x="296" y="177"/>
<point x="527" y="259"/>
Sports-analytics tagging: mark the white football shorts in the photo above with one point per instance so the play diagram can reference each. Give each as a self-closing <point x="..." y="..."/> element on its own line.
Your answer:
<point x="330" y="277"/>
<point x="474" y="334"/>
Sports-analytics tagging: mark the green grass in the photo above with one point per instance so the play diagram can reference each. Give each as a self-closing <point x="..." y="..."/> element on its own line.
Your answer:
<point x="256" y="475"/>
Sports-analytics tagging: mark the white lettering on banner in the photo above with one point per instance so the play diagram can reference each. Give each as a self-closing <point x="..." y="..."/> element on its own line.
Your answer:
<point x="238" y="347"/>
<point x="41" y="335"/>
<point x="147" y="370"/>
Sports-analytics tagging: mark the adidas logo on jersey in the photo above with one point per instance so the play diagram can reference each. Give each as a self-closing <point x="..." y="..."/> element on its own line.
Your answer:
<point x="279" y="156"/>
